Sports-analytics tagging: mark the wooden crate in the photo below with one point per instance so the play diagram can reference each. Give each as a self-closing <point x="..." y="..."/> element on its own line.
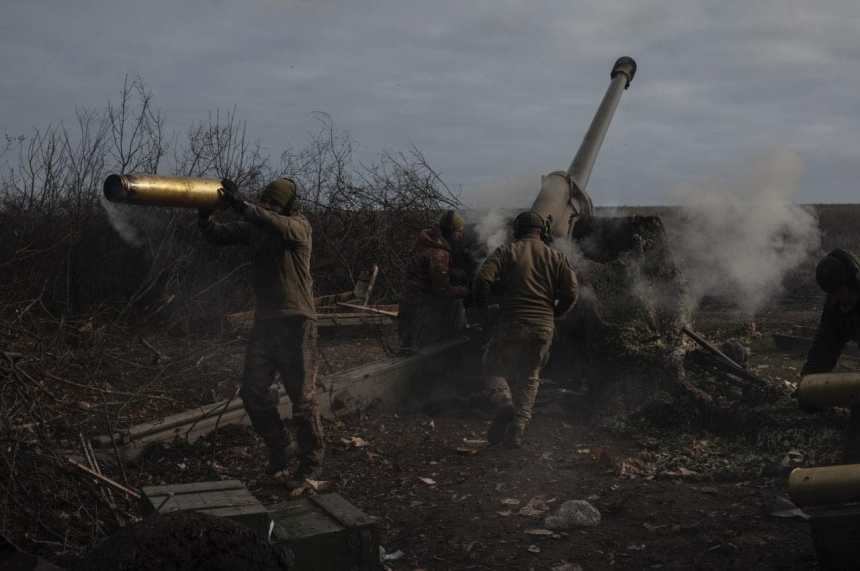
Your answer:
<point x="230" y="499"/>
<point x="325" y="533"/>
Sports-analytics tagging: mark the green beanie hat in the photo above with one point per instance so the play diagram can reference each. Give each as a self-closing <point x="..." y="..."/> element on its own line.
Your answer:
<point x="451" y="221"/>
<point x="831" y="274"/>
<point x="281" y="190"/>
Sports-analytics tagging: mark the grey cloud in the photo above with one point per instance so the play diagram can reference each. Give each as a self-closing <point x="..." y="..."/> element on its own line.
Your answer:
<point x="487" y="90"/>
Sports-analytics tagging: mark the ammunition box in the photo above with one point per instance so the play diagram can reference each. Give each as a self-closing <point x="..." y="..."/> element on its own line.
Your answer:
<point x="228" y="499"/>
<point x="325" y="533"/>
<point x="836" y="536"/>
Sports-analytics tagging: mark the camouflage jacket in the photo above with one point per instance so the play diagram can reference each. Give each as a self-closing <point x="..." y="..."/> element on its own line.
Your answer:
<point x="835" y="330"/>
<point x="428" y="274"/>
<point x="530" y="276"/>
<point x="280" y="259"/>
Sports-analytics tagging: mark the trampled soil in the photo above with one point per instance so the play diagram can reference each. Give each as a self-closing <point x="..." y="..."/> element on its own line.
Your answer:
<point x="680" y="500"/>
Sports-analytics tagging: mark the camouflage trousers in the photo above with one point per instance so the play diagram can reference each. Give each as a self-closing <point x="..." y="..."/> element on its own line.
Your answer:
<point x="420" y="325"/>
<point x="287" y="345"/>
<point x="512" y="364"/>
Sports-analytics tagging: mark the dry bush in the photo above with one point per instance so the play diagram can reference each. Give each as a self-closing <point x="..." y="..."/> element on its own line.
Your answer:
<point x="70" y="253"/>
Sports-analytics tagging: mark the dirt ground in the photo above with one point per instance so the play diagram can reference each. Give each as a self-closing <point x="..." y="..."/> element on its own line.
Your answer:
<point x="444" y="509"/>
<point x="685" y="500"/>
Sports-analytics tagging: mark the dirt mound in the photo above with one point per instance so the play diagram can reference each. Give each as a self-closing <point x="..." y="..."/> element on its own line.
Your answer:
<point x="184" y="541"/>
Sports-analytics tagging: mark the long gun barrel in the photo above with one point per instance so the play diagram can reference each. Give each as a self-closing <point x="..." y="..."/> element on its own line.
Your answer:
<point x="562" y="197"/>
<point x="157" y="190"/>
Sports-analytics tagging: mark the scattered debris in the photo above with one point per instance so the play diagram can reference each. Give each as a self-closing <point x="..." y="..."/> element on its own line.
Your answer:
<point x="568" y="567"/>
<point x="393" y="556"/>
<point x="355" y="442"/>
<point x="537" y="532"/>
<point x="792" y="459"/>
<point x="319" y="485"/>
<point x="782" y="507"/>
<point x="466" y="451"/>
<point x="535" y="507"/>
<point x="534" y="549"/>
<point x="428" y="481"/>
<point x="573" y="513"/>
<point x="510" y="502"/>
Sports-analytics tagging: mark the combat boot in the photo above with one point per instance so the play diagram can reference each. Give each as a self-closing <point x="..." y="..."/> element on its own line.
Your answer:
<point x="306" y="471"/>
<point x="514" y="436"/>
<point x="278" y="458"/>
<point x="499" y="426"/>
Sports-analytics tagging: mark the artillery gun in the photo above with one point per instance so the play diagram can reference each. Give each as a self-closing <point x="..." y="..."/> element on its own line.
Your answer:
<point x="562" y="200"/>
<point x="633" y="303"/>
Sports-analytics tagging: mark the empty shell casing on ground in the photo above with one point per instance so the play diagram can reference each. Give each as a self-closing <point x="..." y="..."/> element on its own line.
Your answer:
<point x="157" y="190"/>
<point x="824" y="486"/>
<point x="830" y="389"/>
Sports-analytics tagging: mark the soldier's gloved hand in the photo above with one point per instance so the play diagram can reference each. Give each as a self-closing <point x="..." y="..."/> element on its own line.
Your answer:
<point x="204" y="217"/>
<point x="230" y="192"/>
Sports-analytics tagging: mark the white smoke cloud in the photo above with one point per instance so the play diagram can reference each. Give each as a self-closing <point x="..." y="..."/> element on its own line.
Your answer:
<point x="516" y="192"/>
<point x="493" y="230"/>
<point x="737" y="239"/>
<point x="123" y="223"/>
<point x="494" y="204"/>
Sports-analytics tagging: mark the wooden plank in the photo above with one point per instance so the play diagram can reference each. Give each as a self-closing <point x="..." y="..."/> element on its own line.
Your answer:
<point x="334" y="298"/>
<point x="344" y="512"/>
<point x="369" y="309"/>
<point x="373" y="275"/>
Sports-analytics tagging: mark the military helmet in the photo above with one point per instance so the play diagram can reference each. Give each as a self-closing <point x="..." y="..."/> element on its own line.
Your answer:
<point x="450" y="221"/>
<point x="529" y="220"/>
<point x="281" y="191"/>
<point x="836" y="269"/>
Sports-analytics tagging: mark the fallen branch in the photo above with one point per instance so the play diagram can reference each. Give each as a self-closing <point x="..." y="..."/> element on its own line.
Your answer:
<point x="707" y="346"/>
<point x="159" y="356"/>
<point x="104" y="479"/>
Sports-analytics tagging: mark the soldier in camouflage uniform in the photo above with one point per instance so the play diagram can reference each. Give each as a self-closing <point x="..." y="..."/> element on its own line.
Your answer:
<point x="430" y="299"/>
<point x="530" y="276"/>
<point x="284" y="335"/>
<point x="838" y="274"/>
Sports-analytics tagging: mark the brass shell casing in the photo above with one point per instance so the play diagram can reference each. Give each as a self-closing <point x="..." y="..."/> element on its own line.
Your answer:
<point x="830" y="389"/>
<point x="157" y="190"/>
<point x="824" y="486"/>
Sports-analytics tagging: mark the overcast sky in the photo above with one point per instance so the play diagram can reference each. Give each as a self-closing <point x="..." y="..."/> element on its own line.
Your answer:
<point x="490" y="91"/>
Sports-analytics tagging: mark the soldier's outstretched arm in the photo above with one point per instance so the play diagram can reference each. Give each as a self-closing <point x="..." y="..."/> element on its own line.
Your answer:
<point x="294" y="229"/>
<point x="567" y="288"/>
<point x="236" y="233"/>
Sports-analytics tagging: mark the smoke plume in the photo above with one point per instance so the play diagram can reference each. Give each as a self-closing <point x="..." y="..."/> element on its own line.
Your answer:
<point x="493" y="230"/>
<point x="123" y="223"/>
<point x="493" y="205"/>
<point x="737" y="239"/>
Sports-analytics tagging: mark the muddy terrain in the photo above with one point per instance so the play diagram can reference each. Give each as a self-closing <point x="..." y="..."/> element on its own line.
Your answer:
<point x="682" y="498"/>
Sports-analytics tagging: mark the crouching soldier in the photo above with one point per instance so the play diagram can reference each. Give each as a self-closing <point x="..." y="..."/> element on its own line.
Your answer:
<point x="531" y="276"/>
<point x="838" y="275"/>
<point x="284" y="334"/>
<point x="430" y="303"/>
